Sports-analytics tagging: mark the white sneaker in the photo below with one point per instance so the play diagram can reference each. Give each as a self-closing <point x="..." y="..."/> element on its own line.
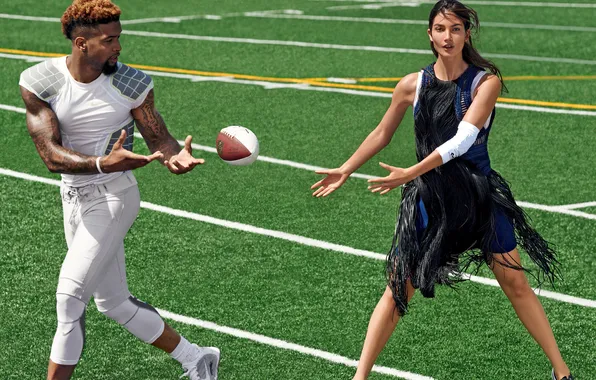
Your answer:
<point x="205" y="366"/>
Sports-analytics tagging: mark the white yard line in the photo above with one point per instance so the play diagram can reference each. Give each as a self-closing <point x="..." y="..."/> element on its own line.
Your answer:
<point x="307" y="87"/>
<point x="12" y="108"/>
<point x="287" y="345"/>
<point x="412" y="22"/>
<point x="522" y="4"/>
<point x="176" y="19"/>
<point x="579" y="205"/>
<point x="375" y="5"/>
<point x="560" y="209"/>
<point x="295" y="238"/>
<point x="230" y="330"/>
<point x="173" y="19"/>
<point x="540" y="292"/>
<point x="383" y="49"/>
<point x="270" y="160"/>
<point x="27" y="58"/>
<point x="29" y="18"/>
<point x="546" y="109"/>
<point x="412" y="3"/>
<point x="303" y="44"/>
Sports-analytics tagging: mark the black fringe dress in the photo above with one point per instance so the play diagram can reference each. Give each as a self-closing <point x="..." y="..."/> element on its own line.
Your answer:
<point x="462" y="212"/>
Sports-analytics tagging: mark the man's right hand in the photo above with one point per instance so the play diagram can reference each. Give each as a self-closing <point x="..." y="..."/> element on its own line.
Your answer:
<point x="121" y="159"/>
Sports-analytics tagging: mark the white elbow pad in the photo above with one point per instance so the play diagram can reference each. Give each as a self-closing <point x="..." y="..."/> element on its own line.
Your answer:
<point x="460" y="143"/>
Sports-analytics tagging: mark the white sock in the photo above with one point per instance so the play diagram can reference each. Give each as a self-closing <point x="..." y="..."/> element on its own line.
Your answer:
<point x="184" y="352"/>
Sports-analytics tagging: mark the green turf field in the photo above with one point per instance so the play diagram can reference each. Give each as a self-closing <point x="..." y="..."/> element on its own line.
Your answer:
<point x="296" y="305"/>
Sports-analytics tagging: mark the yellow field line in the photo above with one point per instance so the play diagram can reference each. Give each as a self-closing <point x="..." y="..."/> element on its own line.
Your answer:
<point x="216" y="74"/>
<point x="512" y="78"/>
<point x="33" y="53"/>
<point x="348" y="86"/>
<point x="265" y="79"/>
<point x="321" y="82"/>
<point x="397" y="79"/>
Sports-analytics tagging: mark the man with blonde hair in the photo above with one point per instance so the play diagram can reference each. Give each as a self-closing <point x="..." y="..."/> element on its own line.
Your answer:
<point x="81" y="113"/>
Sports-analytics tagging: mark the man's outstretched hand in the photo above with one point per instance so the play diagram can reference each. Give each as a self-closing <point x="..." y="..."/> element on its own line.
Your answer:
<point x="120" y="159"/>
<point x="183" y="162"/>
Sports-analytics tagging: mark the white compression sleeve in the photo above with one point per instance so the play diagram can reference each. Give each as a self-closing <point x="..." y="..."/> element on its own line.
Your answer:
<point x="460" y="143"/>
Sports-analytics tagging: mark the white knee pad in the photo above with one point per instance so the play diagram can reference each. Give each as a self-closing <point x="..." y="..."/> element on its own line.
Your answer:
<point x="70" y="334"/>
<point x="141" y="319"/>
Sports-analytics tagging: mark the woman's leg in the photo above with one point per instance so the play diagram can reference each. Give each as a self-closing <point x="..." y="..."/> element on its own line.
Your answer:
<point x="528" y="308"/>
<point x="382" y="323"/>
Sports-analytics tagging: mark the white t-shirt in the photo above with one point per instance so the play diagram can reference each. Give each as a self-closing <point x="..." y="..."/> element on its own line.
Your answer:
<point x="91" y="115"/>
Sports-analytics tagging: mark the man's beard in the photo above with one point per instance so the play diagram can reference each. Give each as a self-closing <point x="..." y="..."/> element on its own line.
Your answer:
<point x="109" y="69"/>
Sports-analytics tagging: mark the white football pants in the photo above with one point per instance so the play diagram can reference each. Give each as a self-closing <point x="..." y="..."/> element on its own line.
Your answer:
<point x="96" y="220"/>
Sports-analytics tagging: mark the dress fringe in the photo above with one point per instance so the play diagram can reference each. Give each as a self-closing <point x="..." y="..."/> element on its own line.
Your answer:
<point x="461" y="203"/>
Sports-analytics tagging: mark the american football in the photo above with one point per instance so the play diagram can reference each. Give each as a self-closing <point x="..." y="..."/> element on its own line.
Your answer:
<point x="237" y="145"/>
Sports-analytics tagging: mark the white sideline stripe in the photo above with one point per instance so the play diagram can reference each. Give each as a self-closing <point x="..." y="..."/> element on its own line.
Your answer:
<point x="265" y="232"/>
<point x="539" y="292"/>
<point x="308" y="167"/>
<point x="331" y="46"/>
<point x="579" y="205"/>
<point x="271" y="14"/>
<point x="271" y="160"/>
<point x="270" y="85"/>
<point x="12" y="108"/>
<point x="294" y="238"/>
<point x="29" y="177"/>
<point x="413" y="22"/>
<point x="27" y="58"/>
<point x="570" y="28"/>
<point x="525" y="4"/>
<point x="29" y="18"/>
<point x="345" y="47"/>
<point x="172" y="19"/>
<point x="342" y="80"/>
<point x="561" y="209"/>
<point x="546" y="109"/>
<point x="410" y="3"/>
<point x="209" y="149"/>
<point x="286" y="345"/>
<point x="366" y="1"/>
<point x="306" y="87"/>
<point x="255" y="41"/>
<point x="230" y="330"/>
<point x="373" y="6"/>
<point x="558" y="209"/>
<point x="175" y="19"/>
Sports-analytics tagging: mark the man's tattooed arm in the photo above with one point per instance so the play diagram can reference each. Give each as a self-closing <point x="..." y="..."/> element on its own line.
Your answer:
<point x="154" y="130"/>
<point x="43" y="127"/>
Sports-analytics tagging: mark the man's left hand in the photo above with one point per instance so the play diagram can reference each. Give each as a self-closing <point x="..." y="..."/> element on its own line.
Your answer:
<point x="183" y="162"/>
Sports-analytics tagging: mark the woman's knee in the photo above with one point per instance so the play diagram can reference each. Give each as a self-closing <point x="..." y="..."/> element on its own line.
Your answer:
<point x="388" y="294"/>
<point x="515" y="283"/>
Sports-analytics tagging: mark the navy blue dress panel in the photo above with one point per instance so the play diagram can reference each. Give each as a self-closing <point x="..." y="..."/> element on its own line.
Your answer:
<point x="504" y="240"/>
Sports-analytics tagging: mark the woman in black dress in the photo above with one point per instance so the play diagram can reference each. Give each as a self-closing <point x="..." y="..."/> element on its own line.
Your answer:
<point x="455" y="209"/>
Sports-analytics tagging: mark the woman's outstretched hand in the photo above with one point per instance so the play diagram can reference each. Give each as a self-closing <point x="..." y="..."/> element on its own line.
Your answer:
<point x="335" y="178"/>
<point x="396" y="178"/>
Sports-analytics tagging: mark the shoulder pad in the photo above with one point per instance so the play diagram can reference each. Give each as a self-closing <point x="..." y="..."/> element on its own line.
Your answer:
<point x="44" y="79"/>
<point x="130" y="82"/>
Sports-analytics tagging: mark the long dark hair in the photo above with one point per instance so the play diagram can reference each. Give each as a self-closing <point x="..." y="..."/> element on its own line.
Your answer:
<point x="472" y="24"/>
